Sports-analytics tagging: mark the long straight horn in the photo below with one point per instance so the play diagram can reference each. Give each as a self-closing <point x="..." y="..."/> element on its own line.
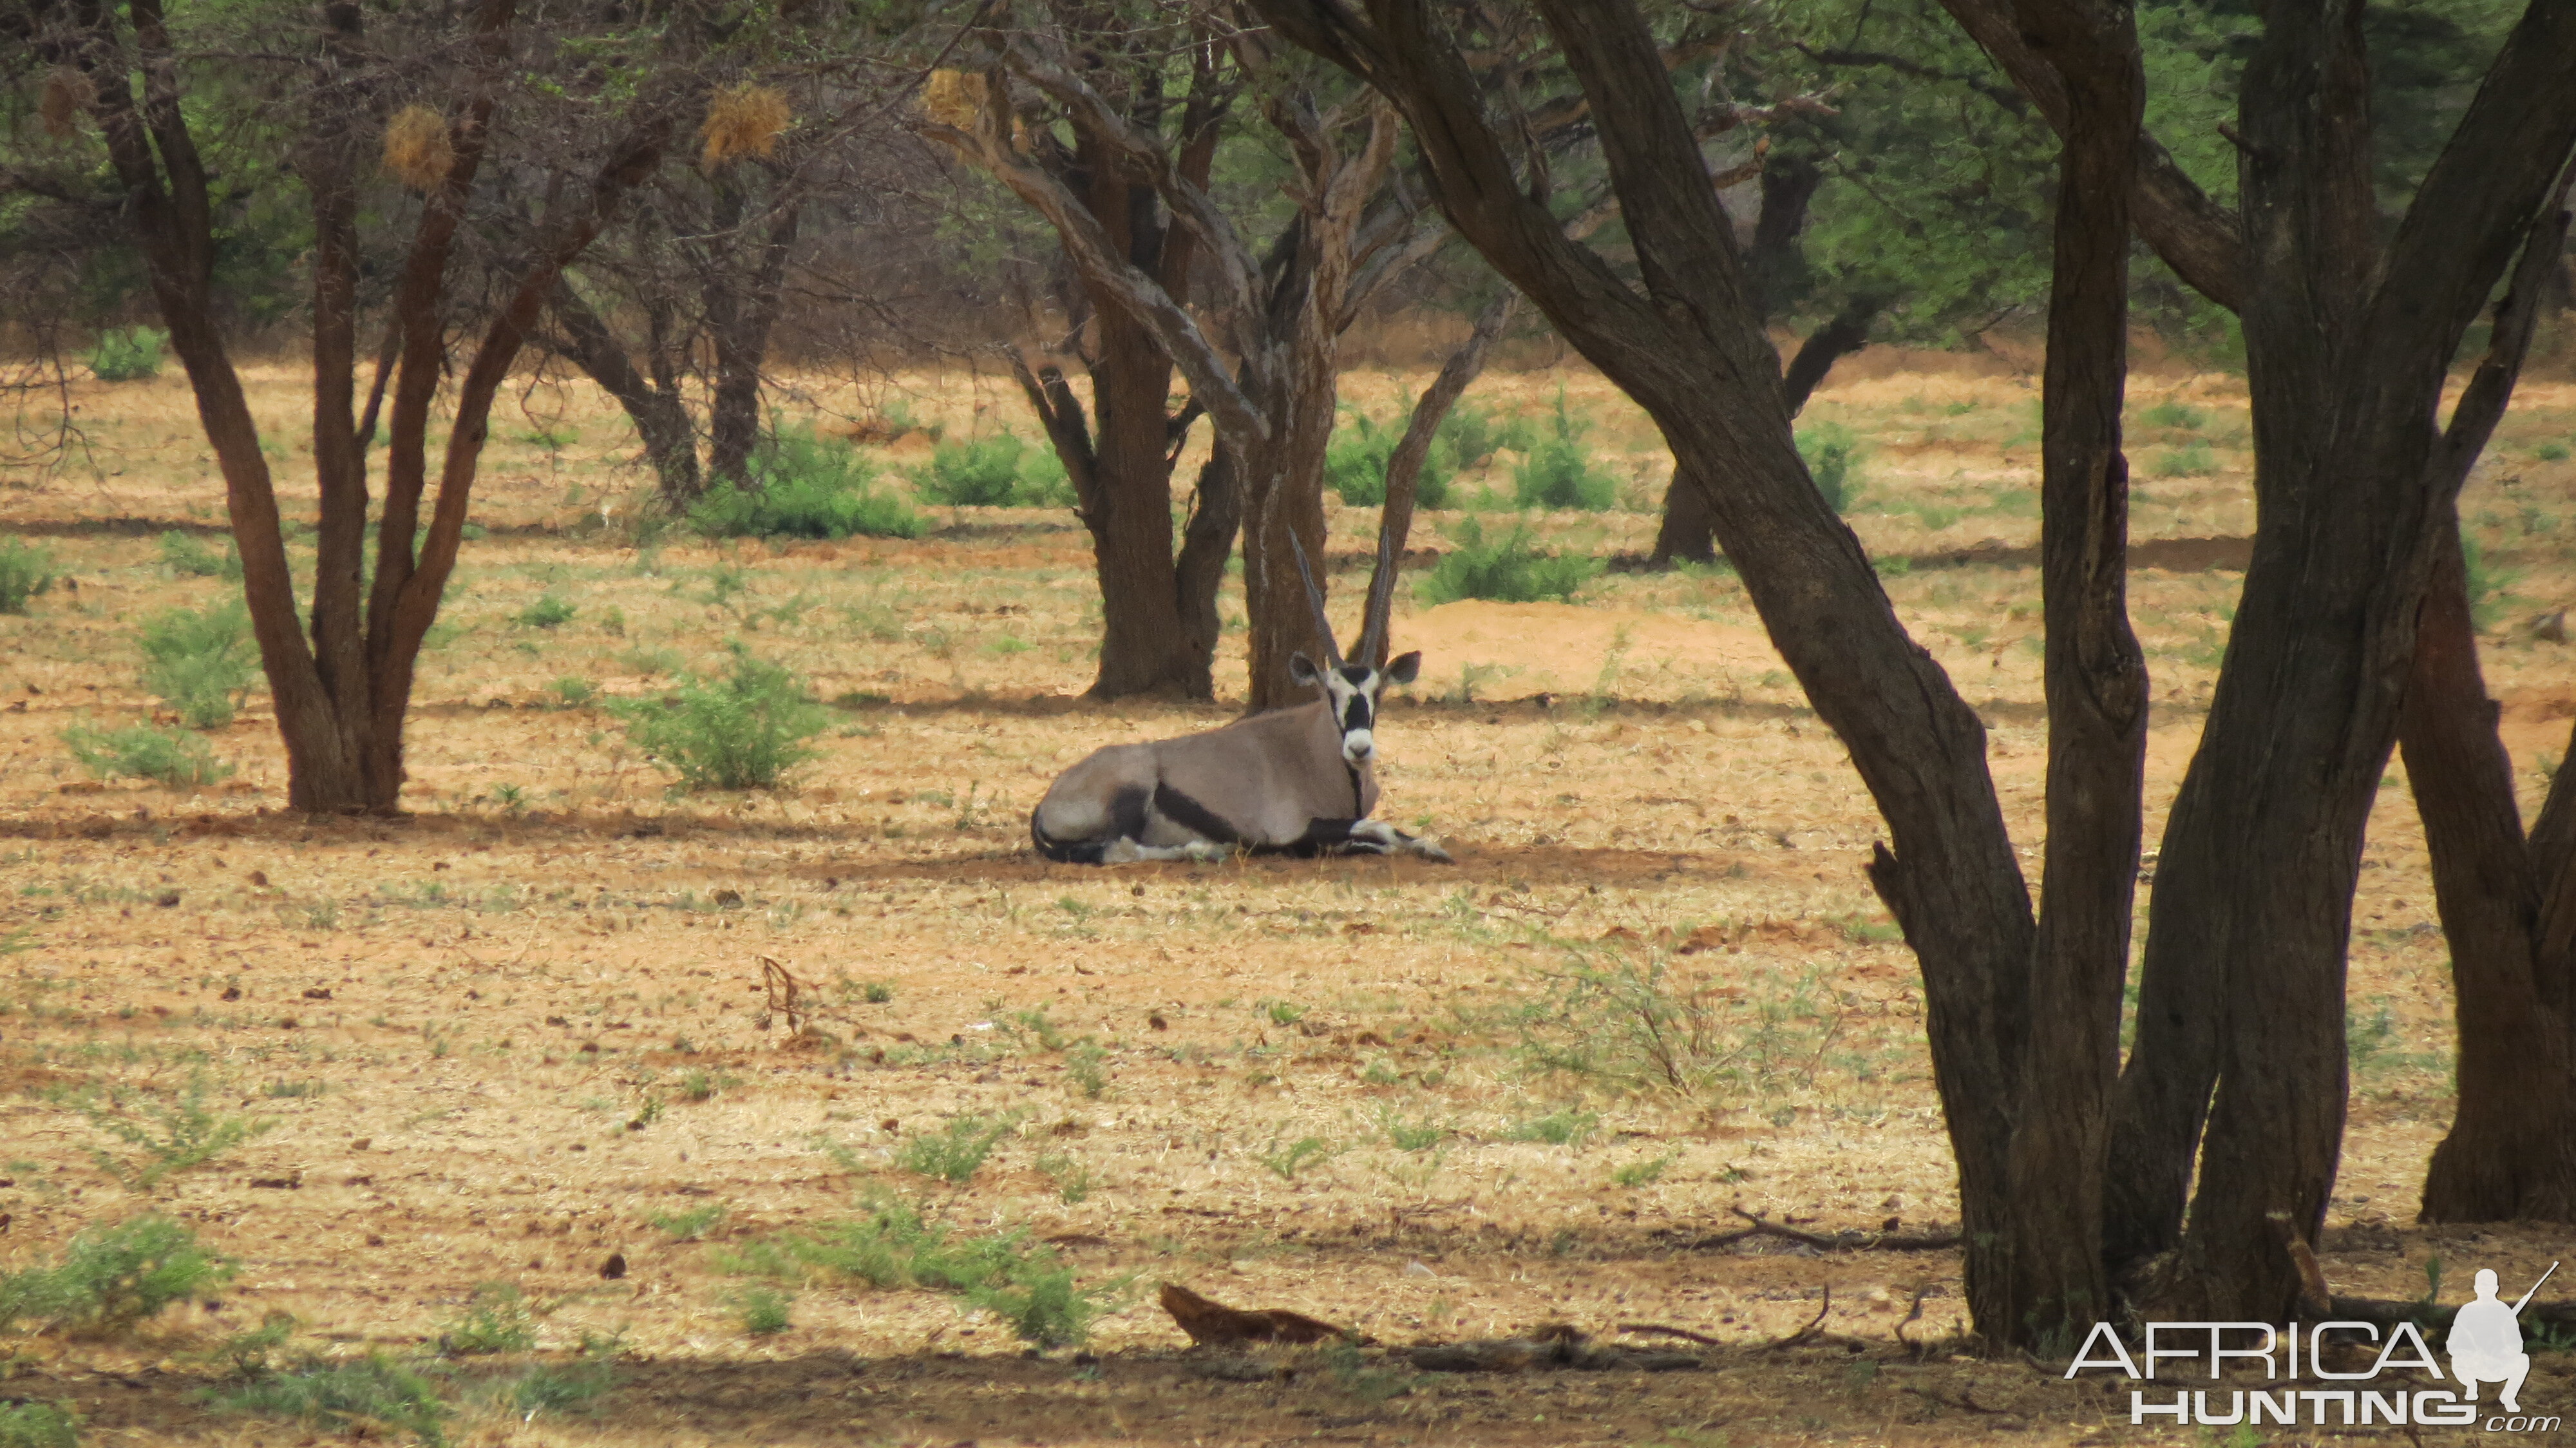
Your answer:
<point x="1381" y="602"/>
<point x="1315" y="600"/>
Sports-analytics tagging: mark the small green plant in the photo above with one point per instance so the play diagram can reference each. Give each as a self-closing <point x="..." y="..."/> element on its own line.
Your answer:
<point x="2486" y="585"/>
<point x="127" y="355"/>
<point x="496" y="1320"/>
<point x="2191" y="460"/>
<point x="956" y="1152"/>
<point x="877" y="992"/>
<point x="2551" y="452"/>
<point x="1088" y="1064"/>
<point x="743" y="730"/>
<point x="547" y="612"/>
<point x="25" y="571"/>
<point x="1282" y="1013"/>
<point x="696" y="1085"/>
<point x="2173" y="412"/>
<point x="1558" y="1128"/>
<point x="1412" y="1135"/>
<point x="1286" y="1161"/>
<point x="199" y="662"/>
<point x="1355" y="464"/>
<point x="1643" y="1172"/>
<point x="175" y="757"/>
<point x="763" y="1309"/>
<point x="999" y="471"/>
<point x="1508" y="569"/>
<point x="37" y="1425"/>
<point x="1041" y="1304"/>
<point x="1557" y="471"/>
<point x="576" y="692"/>
<point x="373" y="1394"/>
<point x="170" y="1140"/>
<point x="1832" y="451"/>
<point x="550" y="1387"/>
<point x="111" y="1278"/>
<point x="691" y="1225"/>
<point x="188" y="558"/>
<point x="1072" y="1179"/>
<point x="800" y="485"/>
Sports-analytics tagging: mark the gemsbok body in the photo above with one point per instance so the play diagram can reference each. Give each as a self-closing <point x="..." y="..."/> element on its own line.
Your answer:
<point x="1299" y="781"/>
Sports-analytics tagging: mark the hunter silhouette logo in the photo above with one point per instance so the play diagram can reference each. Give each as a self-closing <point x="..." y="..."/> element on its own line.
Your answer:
<point x="2485" y="1343"/>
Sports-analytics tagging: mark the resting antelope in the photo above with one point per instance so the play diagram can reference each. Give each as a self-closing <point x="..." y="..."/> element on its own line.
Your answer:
<point x="1298" y="781"/>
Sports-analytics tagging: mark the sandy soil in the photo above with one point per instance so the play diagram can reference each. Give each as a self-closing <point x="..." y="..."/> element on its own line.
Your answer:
<point x="525" y="1028"/>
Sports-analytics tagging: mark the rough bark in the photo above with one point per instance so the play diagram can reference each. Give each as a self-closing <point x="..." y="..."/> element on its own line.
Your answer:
<point x="2047" y="1274"/>
<point x="1684" y="535"/>
<point x="741" y="314"/>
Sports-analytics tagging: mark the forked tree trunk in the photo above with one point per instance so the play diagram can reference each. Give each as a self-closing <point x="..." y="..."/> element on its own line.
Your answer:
<point x="660" y="418"/>
<point x="1684" y="535"/>
<point x="742" y="312"/>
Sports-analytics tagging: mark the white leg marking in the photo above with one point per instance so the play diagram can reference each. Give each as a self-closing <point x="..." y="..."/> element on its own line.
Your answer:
<point x="1127" y="852"/>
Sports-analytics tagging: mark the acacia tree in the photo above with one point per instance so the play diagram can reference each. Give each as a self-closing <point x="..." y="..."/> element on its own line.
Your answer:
<point x="1259" y="349"/>
<point x="2070" y="1185"/>
<point x="341" y="690"/>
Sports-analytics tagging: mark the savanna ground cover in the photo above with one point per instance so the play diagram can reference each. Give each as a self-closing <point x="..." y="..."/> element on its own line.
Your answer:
<point x="494" y="1100"/>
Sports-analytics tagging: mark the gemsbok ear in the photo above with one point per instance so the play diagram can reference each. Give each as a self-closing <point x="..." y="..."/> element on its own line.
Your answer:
<point x="1402" y="670"/>
<point x="1302" y="669"/>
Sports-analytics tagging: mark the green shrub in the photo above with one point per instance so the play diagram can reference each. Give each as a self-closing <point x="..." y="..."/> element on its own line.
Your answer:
<point x="170" y="1140"/>
<point x="127" y="355"/>
<point x="763" y="1310"/>
<point x="1507" y="569"/>
<point x="175" y="757"/>
<point x="188" y="558"/>
<point x="1355" y="464"/>
<point x="803" y="486"/>
<point x="496" y="1320"/>
<point x="2192" y="460"/>
<point x="547" y="612"/>
<point x="37" y="1425"/>
<point x="111" y="1278"/>
<point x="954" y="1153"/>
<point x="994" y="472"/>
<point x="2486" y="585"/>
<point x="373" y="1394"/>
<point x="545" y="1387"/>
<point x="743" y="730"/>
<point x="199" y="662"/>
<point x="1042" y="1304"/>
<point x="25" y="571"/>
<point x="1832" y="451"/>
<point x="1567" y="1127"/>
<point x="1474" y="434"/>
<point x="2551" y="452"/>
<point x="1557" y="471"/>
<point x="575" y="691"/>
<point x="2174" y="413"/>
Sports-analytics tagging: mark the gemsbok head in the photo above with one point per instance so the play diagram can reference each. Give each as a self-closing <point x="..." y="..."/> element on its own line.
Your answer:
<point x="1298" y="781"/>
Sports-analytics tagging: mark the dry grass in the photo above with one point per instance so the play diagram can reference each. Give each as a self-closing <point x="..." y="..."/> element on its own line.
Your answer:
<point x="545" y="1030"/>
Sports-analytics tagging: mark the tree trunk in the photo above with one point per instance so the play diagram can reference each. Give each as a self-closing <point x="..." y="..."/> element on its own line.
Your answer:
<point x="660" y="419"/>
<point x="2511" y="1151"/>
<point x="1684" y="536"/>
<point x="1404" y="472"/>
<point x="740" y="316"/>
<point x="2044" y="1283"/>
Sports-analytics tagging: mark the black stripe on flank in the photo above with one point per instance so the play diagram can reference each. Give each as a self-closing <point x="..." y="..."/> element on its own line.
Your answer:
<point x="1193" y="816"/>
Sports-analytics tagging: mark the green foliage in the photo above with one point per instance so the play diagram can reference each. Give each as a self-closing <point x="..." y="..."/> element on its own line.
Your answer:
<point x="2191" y="460"/>
<point x="691" y="1225"/>
<point x="1088" y="1064"/>
<point x="175" y="757"/>
<point x="1831" y="451"/>
<point x="169" y="1140"/>
<point x="1355" y="464"/>
<point x="763" y="1309"/>
<point x="999" y="471"/>
<point x="800" y="485"/>
<point x="743" y="730"/>
<point x="2175" y="413"/>
<point x="1644" y="1172"/>
<point x="1285" y="1161"/>
<point x="547" y="612"/>
<point x="373" y="1394"/>
<point x="1020" y="1281"/>
<point x="1508" y="569"/>
<point x="1567" y="1127"/>
<point x="2486" y="584"/>
<point x="188" y="558"/>
<point x="1557" y="471"/>
<point x="550" y="1387"/>
<point x="575" y="691"/>
<point x="37" y="1425"/>
<point x="128" y="354"/>
<point x="1474" y="434"/>
<point x="25" y="571"/>
<point x="111" y="1278"/>
<point x="956" y="1152"/>
<point x="199" y="662"/>
<point x="496" y="1320"/>
<point x="1635" y="1025"/>
<point x="2551" y="452"/>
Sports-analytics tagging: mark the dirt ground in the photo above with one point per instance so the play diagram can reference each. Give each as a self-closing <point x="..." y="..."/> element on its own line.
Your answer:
<point x="525" y="1028"/>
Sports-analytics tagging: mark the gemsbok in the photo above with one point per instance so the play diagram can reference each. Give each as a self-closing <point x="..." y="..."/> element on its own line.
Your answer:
<point x="1298" y="781"/>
